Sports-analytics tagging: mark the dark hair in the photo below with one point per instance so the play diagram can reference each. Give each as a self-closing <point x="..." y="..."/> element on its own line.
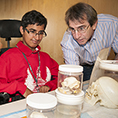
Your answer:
<point x="33" y="17"/>
<point x="81" y="11"/>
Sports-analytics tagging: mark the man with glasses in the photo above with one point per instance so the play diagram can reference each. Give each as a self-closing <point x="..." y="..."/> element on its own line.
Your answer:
<point x="86" y="35"/>
<point x="25" y="68"/>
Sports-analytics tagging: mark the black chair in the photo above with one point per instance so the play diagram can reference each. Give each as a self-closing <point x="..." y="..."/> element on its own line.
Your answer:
<point x="9" y="29"/>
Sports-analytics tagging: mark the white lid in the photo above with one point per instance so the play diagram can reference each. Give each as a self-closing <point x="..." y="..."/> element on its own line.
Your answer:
<point x="70" y="68"/>
<point x="41" y="100"/>
<point x="70" y="99"/>
<point x="111" y="65"/>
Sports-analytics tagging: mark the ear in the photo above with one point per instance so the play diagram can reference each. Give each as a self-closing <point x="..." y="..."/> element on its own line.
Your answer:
<point x="21" y="30"/>
<point x="94" y="25"/>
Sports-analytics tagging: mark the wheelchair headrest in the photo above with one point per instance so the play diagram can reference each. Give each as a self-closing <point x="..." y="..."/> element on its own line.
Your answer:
<point x="10" y="28"/>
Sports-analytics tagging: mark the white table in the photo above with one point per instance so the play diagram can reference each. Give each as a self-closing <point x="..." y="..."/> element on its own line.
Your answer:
<point x="9" y="109"/>
<point x="18" y="108"/>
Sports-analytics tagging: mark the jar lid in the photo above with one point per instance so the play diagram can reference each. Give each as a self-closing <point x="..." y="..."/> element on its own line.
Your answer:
<point x="111" y="65"/>
<point x="70" y="99"/>
<point x="70" y="68"/>
<point x="41" y="100"/>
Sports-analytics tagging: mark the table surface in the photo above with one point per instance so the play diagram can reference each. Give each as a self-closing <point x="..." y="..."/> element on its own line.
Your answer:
<point x="17" y="109"/>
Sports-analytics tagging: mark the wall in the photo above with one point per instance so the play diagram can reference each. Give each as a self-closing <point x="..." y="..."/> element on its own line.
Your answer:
<point x="54" y="10"/>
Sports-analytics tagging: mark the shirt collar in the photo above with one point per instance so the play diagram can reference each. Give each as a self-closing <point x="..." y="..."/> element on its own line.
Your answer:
<point x="26" y="50"/>
<point x="94" y="36"/>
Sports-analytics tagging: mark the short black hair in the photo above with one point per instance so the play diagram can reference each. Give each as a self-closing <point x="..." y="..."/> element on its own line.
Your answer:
<point x="33" y="17"/>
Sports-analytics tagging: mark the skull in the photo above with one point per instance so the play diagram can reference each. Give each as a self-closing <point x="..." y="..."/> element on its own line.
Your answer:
<point x="105" y="91"/>
<point x="70" y="86"/>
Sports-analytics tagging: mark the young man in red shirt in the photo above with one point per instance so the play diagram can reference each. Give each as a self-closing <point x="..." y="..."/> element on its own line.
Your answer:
<point x="24" y="68"/>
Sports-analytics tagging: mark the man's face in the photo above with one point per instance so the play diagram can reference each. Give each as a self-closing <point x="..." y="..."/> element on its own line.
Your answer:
<point x="29" y="38"/>
<point x="82" y="32"/>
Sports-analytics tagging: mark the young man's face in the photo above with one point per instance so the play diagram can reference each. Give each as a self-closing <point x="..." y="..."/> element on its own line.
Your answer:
<point x="31" y="38"/>
<point x="82" y="32"/>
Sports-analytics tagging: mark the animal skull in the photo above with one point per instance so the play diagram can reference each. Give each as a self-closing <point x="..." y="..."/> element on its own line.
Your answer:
<point x="70" y="85"/>
<point x="105" y="91"/>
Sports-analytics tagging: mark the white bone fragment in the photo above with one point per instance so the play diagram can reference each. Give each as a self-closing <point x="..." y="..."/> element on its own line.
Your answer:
<point x="70" y="85"/>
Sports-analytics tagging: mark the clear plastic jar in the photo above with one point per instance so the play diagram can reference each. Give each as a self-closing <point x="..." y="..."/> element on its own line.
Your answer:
<point x="40" y="105"/>
<point x="66" y="71"/>
<point x="68" y="111"/>
<point x="109" y="68"/>
<point x="69" y="92"/>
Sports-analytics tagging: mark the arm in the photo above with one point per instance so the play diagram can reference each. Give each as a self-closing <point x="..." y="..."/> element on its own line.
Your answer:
<point x="27" y="92"/>
<point x="49" y="70"/>
<point x="69" y="53"/>
<point x="10" y="81"/>
<point x="70" y="56"/>
<point x="52" y="84"/>
<point x="12" y="87"/>
<point x="115" y="38"/>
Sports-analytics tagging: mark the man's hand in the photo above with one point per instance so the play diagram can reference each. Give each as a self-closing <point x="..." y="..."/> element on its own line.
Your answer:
<point x="44" y="89"/>
<point x="27" y="92"/>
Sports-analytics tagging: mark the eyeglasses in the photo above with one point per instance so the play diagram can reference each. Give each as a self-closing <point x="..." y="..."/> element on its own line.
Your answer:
<point x="81" y="29"/>
<point x="41" y="33"/>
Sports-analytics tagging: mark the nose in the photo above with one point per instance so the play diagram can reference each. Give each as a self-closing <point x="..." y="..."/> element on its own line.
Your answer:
<point x="77" y="34"/>
<point x="37" y="36"/>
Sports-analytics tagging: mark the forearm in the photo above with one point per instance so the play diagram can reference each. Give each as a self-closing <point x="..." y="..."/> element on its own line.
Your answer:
<point x="52" y="83"/>
<point x="27" y="92"/>
<point x="12" y="87"/>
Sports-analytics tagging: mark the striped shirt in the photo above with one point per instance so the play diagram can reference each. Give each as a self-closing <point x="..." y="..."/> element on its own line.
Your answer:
<point x="105" y="35"/>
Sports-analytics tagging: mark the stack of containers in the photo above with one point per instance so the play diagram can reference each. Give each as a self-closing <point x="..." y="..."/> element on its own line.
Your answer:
<point x="69" y="92"/>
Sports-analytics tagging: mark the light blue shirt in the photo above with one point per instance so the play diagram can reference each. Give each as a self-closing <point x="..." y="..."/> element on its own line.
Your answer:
<point x="105" y="35"/>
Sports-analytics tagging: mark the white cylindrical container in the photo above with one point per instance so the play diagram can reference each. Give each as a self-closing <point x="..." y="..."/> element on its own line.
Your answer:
<point x="41" y="105"/>
<point x="69" y="92"/>
<point x="69" y="106"/>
